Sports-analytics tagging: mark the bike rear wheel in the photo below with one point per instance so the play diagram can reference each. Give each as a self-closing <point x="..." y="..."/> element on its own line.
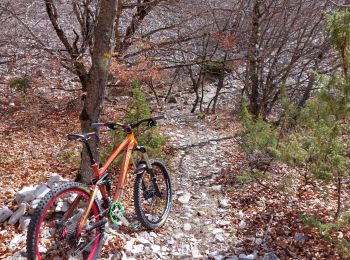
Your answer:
<point x="152" y="208"/>
<point x="52" y="232"/>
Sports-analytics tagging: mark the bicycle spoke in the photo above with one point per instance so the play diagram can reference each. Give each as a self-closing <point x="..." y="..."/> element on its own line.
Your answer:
<point x="58" y="231"/>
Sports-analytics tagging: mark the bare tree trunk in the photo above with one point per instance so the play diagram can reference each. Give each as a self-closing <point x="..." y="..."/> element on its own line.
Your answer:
<point x="78" y="67"/>
<point x="307" y="92"/>
<point x="195" y="85"/>
<point x="149" y="83"/>
<point x="339" y="186"/>
<point x="195" y="103"/>
<point x="95" y="92"/>
<point x="219" y="86"/>
<point x="312" y="81"/>
<point x="202" y="93"/>
<point x="171" y="86"/>
<point x="253" y="60"/>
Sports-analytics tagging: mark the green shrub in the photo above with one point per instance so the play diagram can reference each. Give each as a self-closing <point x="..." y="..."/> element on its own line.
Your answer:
<point x="249" y="176"/>
<point x="321" y="136"/>
<point x="326" y="229"/>
<point x="20" y="84"/>
<point x="317" y="136"/>
<point x="258" y="135"/>
<point x="215" y="68"/>
<point x="339" y="31"/>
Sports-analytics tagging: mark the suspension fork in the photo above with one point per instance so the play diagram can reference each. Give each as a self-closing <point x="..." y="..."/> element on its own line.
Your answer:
<point x="151" y="173"/>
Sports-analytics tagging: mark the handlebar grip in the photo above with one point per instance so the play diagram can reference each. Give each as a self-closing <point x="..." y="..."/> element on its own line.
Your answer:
<point x="158" y="117"/>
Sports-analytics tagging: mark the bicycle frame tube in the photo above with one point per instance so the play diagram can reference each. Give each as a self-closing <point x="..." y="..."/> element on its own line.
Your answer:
<point x="124" y="171"/>
<point x="128" y="144"/>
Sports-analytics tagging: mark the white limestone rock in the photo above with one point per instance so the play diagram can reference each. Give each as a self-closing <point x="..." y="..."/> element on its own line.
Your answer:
<point x="18" y="214"/>
<point x="25" y="194"/>
<point x="24" y="223"/>
<point x="5" y="213"/>
<point x="41" y="191"/>
<point x="185" y="198"/>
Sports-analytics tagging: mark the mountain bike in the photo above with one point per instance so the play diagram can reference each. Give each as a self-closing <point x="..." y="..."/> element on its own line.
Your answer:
<point x="69" y="222"/>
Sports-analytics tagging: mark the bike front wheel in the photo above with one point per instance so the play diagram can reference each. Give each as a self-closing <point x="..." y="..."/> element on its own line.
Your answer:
<point x="152" y="196"/>
<point x="52" y="232"/>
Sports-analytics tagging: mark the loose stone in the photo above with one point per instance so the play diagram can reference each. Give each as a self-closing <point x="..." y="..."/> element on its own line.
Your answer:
<point x="5" y="213"/>
<point x="185" y="198"/>
<point x="24" y="223"/>
<point x="224" y="203"/>
<point x="187" y="227"/>
<point x="242" y="224"/>
<point x="155" y="248"/>
<point x="26" y="194"/>
<point x="18" y="213"/>
<point x="41" y="191"/>
<point x="270" y="256"/>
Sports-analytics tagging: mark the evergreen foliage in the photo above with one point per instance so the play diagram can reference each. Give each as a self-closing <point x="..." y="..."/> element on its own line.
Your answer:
<point x="215" y="68"/>
<point x="327" y="229"/>
<point x="20" y="84"/>
<point x="321" y="136"/>
<point x="339" y="31"/>
<point x="258" y="135"/>
<point x="138" y="108"/>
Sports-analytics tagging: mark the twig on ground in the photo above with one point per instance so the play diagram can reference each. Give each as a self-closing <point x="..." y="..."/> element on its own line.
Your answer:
<point x="267" y="232"/>
<point x="204" y="143"/>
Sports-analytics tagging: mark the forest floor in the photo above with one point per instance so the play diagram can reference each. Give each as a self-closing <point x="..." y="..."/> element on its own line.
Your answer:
<point x="216" y="213"/>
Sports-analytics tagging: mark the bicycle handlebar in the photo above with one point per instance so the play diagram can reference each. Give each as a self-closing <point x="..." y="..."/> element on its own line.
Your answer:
<point x="151" y="121"/>
<point x="112" y="125"/>
<point x="159" y="117"/>
<point x="96" y="125"/>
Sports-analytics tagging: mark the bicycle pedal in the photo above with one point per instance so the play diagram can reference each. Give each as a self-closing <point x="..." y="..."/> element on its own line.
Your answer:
<point x="123" y="219"/>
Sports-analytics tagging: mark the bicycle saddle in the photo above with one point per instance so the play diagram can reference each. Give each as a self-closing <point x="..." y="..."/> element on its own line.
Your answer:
<point x="82" y="136"/>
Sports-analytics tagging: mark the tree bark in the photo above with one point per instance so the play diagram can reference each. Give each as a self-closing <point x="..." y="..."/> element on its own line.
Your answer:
<point x="98" y="77"/>
<point x="253" y="60"/>
<point x="339" y="190"/>
<point x="220" y="85"/>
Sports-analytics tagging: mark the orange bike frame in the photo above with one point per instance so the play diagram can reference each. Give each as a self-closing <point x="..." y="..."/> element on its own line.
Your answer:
<point x="128" y="145"/>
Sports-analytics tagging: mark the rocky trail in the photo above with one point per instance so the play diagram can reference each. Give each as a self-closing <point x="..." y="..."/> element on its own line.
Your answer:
<point x="199" y="224"/>
<point x="202" y="224"/>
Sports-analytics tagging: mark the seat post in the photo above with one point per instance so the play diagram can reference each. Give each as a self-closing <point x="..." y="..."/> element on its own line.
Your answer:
<point x="92" y="160"/>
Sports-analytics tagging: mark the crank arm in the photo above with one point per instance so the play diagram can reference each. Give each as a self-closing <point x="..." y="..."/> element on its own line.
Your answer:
<point x="101" y="223"/>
